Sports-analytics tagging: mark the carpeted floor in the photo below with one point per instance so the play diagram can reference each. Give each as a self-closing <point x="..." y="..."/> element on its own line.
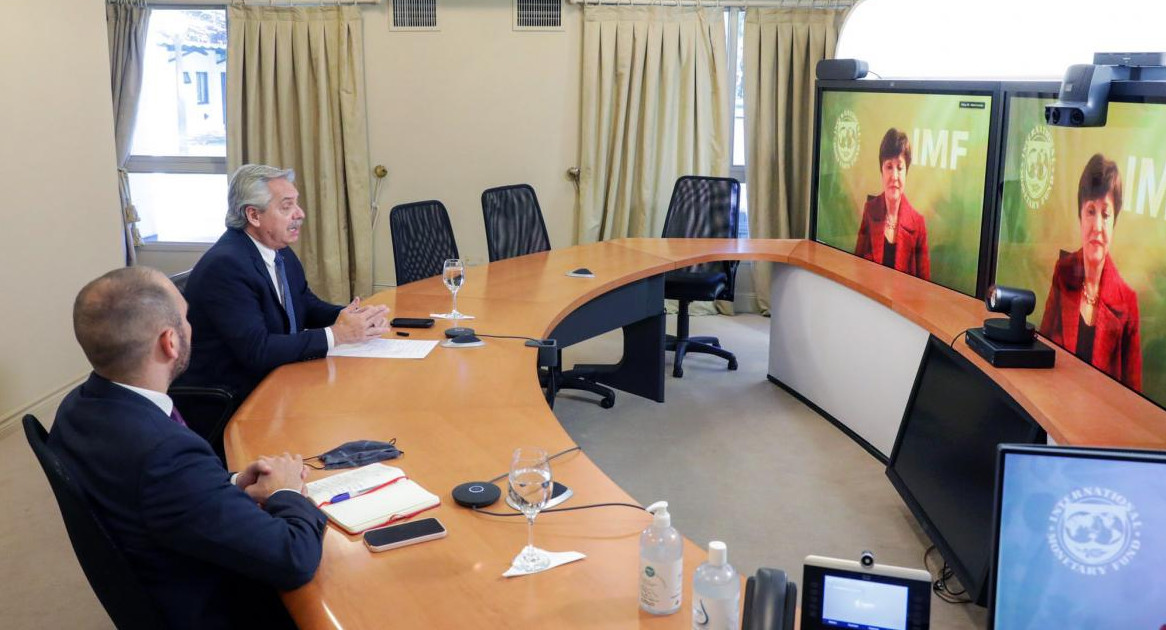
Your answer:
<point x="737" y="458"/>
<point x="740" y="460"/>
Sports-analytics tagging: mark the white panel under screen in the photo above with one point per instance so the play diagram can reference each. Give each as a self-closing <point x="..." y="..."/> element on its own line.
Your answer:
<point x="849" y="355"/>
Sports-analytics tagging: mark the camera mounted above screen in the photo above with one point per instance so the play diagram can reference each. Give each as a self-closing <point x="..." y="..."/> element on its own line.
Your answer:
<point x="840" y="69"/>
<point x="1083" y="100"/>
<point x="1010" y="342"/>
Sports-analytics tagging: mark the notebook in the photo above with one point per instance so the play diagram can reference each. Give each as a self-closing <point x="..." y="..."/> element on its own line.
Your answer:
<point x="379" y="495"/>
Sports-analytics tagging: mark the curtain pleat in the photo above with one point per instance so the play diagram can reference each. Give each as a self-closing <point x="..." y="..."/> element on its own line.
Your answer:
<point x="295" y="98"/>
<point x="127" y="23"/>
<point x="655" y="107"/>
<point x="782" y="50"/>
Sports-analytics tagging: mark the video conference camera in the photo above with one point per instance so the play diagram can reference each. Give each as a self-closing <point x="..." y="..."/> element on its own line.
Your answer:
<point x="1083" y="100"/>
<point x="1010" y="342"/>
<point x="1018" y="304"/>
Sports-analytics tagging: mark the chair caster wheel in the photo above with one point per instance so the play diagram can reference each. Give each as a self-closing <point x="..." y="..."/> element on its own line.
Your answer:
<point x="733" y="364"/>
<point x="607" y="403"/>
<point x="677" y="373"/>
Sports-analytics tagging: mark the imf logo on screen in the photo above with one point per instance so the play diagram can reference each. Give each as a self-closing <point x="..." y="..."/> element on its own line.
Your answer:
<point x="1037" y="159"/>
<point x="846" y="137"/>
<point x="1094" y="531"/>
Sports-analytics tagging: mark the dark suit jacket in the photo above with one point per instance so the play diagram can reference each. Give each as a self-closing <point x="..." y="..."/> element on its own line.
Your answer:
<point x="198" y="544"/>
<point x="1117" y="340"/>
<point x="911" y="248"/>
<point x="240" y="330"/>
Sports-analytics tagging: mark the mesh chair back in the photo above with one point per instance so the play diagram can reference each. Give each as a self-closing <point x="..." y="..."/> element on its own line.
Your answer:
<point x="514" y="222"/>
<point x="108" y="571"/>
<point x="422" y="240"/>
<point x="706" y="207"/>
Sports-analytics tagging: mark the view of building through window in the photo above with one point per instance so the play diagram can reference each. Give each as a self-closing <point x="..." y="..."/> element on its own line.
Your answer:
<point x="178" y="158"/>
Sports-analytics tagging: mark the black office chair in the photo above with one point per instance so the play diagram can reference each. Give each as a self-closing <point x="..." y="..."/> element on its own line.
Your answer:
<point x="106" y="568"/>
<point x="179" y="279"/>
<point x="514" y="222"/>
<point x="515" y="227"/>
<point x="206" y="411"/>
<point x="770" y="601"/>
<point x="701" y="207"/>
<point x="422" y="240"/>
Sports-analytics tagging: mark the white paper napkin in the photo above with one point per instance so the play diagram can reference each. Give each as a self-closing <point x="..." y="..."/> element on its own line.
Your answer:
<point x="557" y="558"/>
<point x="446" y="316"/>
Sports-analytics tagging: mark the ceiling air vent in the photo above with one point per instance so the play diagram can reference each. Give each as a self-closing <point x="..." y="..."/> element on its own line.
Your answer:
<point x="414" y="15"/>
<point x="538" y="15"/>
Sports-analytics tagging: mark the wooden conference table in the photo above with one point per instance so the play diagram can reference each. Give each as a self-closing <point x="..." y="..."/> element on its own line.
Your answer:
<point x="458" y="415"/>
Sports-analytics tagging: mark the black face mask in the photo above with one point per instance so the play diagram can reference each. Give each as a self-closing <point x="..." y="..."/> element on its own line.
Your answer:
<point x="354" y="454"/>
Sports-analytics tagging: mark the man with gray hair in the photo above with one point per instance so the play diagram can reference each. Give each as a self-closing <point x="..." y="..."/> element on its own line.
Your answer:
<point x="209" y="548"/>
<point x="250" y="305"/>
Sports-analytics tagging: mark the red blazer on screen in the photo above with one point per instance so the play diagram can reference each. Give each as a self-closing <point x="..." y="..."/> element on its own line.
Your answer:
<point x="911" y="251"/>
<point x="1117" y="342"/>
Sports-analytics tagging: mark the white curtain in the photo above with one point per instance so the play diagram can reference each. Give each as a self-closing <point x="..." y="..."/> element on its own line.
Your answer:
<point x="295" y="98"/>
<point x="782" y="50"/>
<point x="127" y="21"/>
<point x="655" y="107"/>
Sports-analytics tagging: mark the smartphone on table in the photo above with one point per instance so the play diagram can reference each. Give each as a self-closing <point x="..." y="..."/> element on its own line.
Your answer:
<point x="400" y="535"/>
<point x="411" y="322"/>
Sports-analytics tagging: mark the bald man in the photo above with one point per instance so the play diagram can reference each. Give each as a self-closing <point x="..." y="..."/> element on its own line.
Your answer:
<point x="210" y="548"/>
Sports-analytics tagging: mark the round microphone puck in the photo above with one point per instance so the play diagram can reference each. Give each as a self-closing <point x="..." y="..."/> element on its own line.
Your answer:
<point x="458" y="331"/>
<point x="476" y="494"/>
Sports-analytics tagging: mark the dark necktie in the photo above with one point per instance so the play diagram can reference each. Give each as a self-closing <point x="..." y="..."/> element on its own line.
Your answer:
<point x="177" y="417"/>
<point x="285" y="291"/>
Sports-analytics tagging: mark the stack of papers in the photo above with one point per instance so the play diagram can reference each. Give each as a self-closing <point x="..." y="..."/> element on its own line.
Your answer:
<point x="385" y="349"/>
<point x="370" y="496"/>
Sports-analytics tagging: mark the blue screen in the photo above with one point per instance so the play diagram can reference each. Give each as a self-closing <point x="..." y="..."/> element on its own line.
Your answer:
<point x="1082" y="543"/>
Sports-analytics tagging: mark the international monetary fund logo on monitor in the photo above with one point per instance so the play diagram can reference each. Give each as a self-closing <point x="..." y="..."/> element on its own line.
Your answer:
<point x="1094" y="531"/>
<point x="846" y="136"/>
<point x="1038" y="158"/>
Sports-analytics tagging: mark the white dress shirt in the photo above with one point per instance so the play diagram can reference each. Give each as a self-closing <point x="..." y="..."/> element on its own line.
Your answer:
<point x="268" y="256"/>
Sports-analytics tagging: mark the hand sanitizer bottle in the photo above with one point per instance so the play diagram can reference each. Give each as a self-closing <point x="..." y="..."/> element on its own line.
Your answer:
<point x="716" y="592"/>
<point x="661" y="563"/>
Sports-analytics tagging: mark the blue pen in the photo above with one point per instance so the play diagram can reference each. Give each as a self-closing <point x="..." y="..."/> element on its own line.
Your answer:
<point x="344" y="496"/>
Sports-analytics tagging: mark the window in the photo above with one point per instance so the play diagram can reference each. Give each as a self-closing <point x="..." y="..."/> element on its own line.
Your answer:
<point x="178" y="159"/>
<point x="1003" y="39"/>
<point x="735" y="36"/>
<point x="204" y="94"/>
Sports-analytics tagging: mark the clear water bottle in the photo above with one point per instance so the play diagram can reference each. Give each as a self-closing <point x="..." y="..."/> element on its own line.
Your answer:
<point x="661" y="563"/>
<point x="716" y="592"/>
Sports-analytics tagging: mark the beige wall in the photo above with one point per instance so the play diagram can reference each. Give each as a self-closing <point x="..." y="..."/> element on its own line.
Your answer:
<point x="472" y="106"/>
<point x="59" y="210"/>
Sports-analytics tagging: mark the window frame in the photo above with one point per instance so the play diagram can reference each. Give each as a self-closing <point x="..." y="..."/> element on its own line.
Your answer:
<point x="735" y="40"/>
<point x="183" y="164"/>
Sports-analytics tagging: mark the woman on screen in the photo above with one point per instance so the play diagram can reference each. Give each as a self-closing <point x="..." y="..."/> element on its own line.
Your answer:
<point x="892" y="233"/>
<point x="1091" y="311"/>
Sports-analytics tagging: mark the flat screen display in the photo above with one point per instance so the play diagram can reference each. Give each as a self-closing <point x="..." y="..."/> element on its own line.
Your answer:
<point x="866" y="605"/>
<point x="944" y="460"/>
<point x="902" y="177"/>
<point x="1083" y="225"/>
<point x="1081" y="539"/>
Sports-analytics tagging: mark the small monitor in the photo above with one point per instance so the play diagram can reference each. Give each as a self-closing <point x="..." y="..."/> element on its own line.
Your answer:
<point x="944" y="460"/>
<point x="864" y="595"/>
<point x="1080" y="538"/>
